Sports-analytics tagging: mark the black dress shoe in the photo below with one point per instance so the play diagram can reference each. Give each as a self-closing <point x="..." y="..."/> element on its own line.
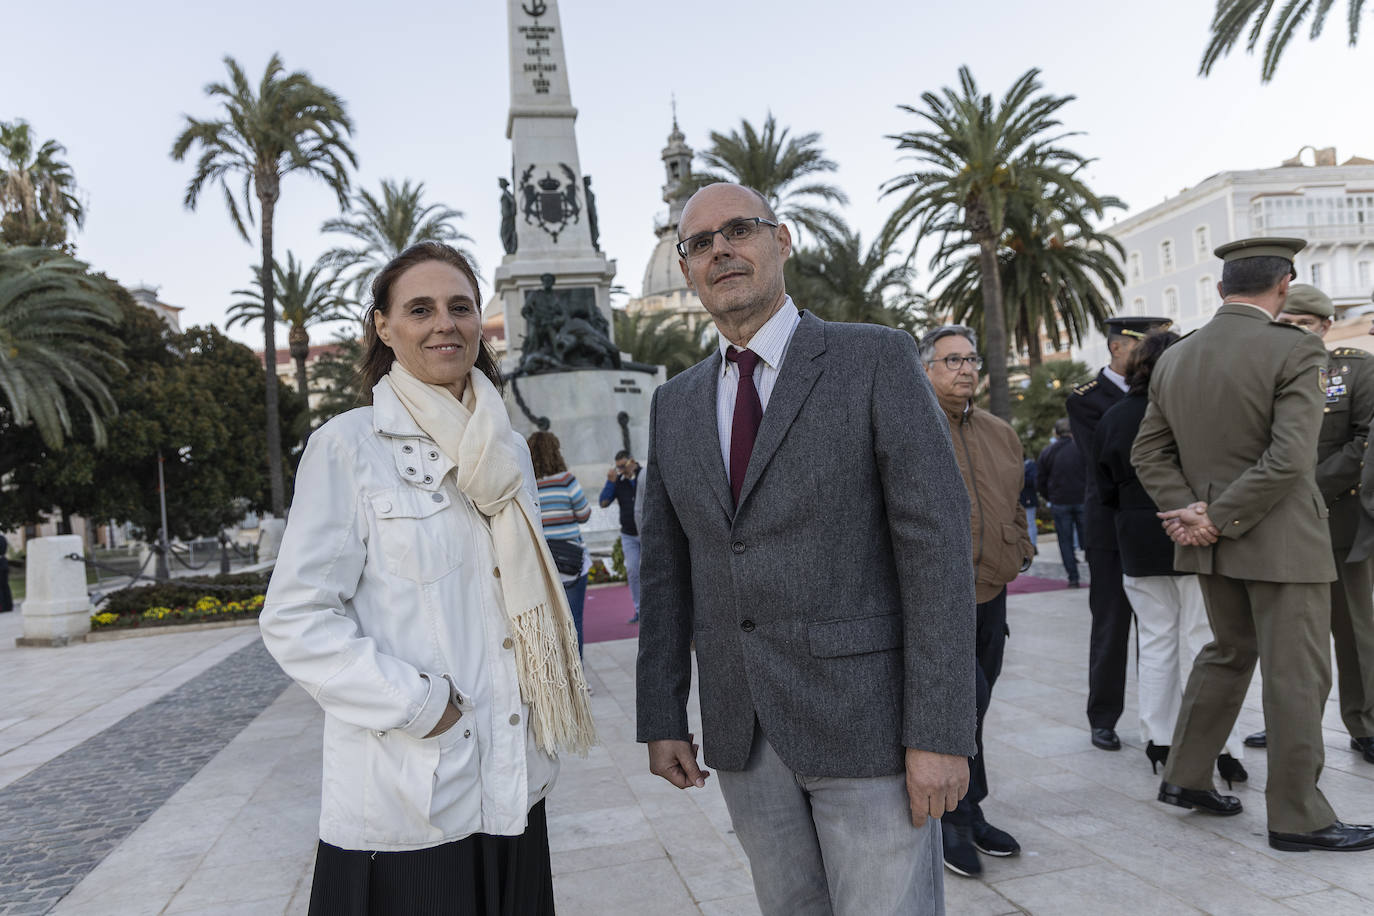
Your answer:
<point x="1365" y="745"/>
<point x="1106" y="739"/>
<point x="1202" y="799"/>
<point x="1336" y="838"/>
<point x="1258" y="739"/>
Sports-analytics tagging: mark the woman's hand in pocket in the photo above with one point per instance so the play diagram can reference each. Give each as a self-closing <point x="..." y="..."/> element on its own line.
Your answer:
<point x="449" y="719"/>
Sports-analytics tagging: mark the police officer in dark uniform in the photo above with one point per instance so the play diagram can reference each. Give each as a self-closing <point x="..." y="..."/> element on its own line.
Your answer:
<point x="1349" y="390"/>
<point x="1111" y="611"/>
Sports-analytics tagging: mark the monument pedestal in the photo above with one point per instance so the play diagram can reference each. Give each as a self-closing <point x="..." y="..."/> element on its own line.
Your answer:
<point x="57" y="610"/>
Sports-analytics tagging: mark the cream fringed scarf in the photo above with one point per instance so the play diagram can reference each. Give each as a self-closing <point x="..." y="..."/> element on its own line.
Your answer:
<point x="477" y="436"/>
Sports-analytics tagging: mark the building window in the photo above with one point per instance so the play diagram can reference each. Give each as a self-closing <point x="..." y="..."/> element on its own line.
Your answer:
<point x="1171" y="302"/>
<point x="1202" y="243"/>
<point x="1362" y="274"/>
<point x="1316" y="272"/>
<point x="1137" y="274"/>
<point x="1206" y="294"/>
<point x="1166" y="256"/>
<point x="1138" y="306"/>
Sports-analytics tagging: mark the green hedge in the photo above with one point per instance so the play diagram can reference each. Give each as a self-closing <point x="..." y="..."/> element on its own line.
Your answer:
<point x="178" y="592"/>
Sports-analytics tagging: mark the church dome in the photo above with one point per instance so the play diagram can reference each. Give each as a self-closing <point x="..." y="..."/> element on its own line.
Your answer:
<point x="662" y="276"/>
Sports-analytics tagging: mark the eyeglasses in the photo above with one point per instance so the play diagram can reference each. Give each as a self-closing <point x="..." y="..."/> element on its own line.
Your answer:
<point x="734" y="232"/>
<point x="952" y="363"/>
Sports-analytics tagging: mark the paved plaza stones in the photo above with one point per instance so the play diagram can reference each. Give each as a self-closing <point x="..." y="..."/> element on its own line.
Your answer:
<point x="237" y="835"/>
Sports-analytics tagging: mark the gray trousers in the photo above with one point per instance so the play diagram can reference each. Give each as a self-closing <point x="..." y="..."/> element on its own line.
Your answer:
<point x="822" y="845"/>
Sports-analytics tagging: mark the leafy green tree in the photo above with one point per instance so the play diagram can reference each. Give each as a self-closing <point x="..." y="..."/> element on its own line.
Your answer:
<point x="662" y="339"/>
<point x="55" y="330"/>
<point x="1035" y="407"/>
<point x="839" y="281"/>
<point x="288" y="124"/>
<point x="336" y="378"/>
<point x="386" y="225"/>
<point x="1058" y="274"/>
<point x="307" y="298"/>
<point x="1234" y="18"/>
<point x="974" y="159"/>
<point x="193" y="397"/>
<point x="37" y="189"/>
<point x="784" y="169"/>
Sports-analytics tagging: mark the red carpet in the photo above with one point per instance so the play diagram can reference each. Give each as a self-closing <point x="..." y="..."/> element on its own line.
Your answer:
<point x="609" y="606"/>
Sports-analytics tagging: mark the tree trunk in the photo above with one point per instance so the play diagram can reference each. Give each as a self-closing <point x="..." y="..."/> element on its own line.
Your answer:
<point x="1035" y="353"/>
<point x="300" y="349"/>
<point x="267" y="198"/>
<point x="995" y="329"/>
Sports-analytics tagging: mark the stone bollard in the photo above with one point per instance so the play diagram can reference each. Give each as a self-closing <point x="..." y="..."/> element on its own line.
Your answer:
<point x="57" y="610"/>
<point x="270" y="531"/>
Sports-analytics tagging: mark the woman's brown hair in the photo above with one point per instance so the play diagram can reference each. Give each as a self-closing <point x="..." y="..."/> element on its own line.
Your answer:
<point x="1141" y="365"/>
<point x="547" y="454"/>
<point x="377" y="356"/>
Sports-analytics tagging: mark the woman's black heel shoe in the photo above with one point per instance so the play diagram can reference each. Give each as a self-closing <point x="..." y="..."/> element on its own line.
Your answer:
<point x="1156" y="754"/>
<point x="1231" y="770"/>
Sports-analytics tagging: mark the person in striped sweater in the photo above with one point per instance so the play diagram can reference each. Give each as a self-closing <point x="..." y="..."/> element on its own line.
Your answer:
<point x="562" y="505"/>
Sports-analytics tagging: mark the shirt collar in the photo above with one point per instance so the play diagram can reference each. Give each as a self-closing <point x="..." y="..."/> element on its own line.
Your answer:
<point x="1117" y="378"/>
<point x="1262" y="311"/>
<point x="770" y="341"/>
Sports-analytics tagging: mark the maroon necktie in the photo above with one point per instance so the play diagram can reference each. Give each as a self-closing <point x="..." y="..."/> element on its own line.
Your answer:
<point x="748" y="415"/>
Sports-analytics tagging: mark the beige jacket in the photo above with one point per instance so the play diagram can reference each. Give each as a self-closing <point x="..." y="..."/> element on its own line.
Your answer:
<point x="991" y="461"/>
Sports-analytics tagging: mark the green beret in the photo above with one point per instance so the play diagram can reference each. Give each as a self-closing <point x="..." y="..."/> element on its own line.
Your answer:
<point x="1308" y="300"/>
<point x="1274" y="247"/>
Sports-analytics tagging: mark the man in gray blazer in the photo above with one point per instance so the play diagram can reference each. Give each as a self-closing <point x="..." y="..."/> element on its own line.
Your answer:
<point x="805" y="524"/>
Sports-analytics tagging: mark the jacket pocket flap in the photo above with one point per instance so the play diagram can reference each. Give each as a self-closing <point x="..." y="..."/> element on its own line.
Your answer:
<point x="405" y="502"/>
<point x="855" y="636"/>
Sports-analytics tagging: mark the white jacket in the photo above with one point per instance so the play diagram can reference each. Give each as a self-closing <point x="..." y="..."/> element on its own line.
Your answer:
<point x="385" y="602"/>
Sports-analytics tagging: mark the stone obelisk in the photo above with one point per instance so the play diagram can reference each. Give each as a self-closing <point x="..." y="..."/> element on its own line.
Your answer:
<point x="564" y="372"/>
<point x="548" y="195"/>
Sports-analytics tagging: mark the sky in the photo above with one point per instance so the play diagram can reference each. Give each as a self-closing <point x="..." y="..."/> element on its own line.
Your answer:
<point x="428" y="85"/>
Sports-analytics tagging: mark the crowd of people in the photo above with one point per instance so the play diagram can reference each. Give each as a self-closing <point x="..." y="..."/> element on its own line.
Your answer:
<point x="429" y="589"/>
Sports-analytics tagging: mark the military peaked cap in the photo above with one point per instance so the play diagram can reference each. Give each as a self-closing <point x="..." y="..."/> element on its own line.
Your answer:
<point x="1275" y="247"/>
<point x="1136" y="326"/>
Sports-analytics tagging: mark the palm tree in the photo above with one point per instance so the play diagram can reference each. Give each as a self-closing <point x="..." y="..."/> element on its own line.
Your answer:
<point x="289" y="124"/>
<point x="1058" y="274"/>
<point x="839" y="281"/>
<point x="662" y="339"/>
<point x="781" y="169"/>
<point x="54" y="342"/>
<point x="388" y="225"/>
<point x="1233" y="17"/>
<point x="37" y="189"/>
<point x="974" y="161"/>
<point x="306" y="298"/>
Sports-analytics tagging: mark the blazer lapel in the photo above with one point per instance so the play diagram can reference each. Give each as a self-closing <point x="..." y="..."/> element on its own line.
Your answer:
<point x="704" y="435"/>
<point x="800" y="369"/>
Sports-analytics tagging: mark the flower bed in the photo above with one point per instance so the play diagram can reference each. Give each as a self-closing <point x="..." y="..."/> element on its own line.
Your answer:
<point x="205" y="608"/>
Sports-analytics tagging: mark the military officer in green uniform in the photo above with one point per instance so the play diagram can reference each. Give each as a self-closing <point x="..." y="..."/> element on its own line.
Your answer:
<point x="1228" y="450"/>
<point x="1340" y="463"/>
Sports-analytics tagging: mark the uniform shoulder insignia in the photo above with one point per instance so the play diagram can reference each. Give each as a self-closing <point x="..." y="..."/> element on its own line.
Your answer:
<point x="1085" y="387"/>
<point x="1350" y="353"/>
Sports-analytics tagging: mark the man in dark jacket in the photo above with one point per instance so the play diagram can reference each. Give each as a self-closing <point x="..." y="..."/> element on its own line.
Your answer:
<point x="1059" y="478"/>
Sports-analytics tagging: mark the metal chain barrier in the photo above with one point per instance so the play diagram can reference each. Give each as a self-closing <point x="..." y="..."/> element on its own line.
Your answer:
<point x="186" y="564"/>
<point x="99" y="597"/>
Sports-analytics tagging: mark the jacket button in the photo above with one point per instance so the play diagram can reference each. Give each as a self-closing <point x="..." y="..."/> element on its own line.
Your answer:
<point x="429" y="478"/>
<point x="433" y="456"/>
<point x="467" y="733"/>
<point x="737" y="547"/>
<point x="386" y="507"/>
<point x="437" y="497"/>
<point x="407" y="449"/>
<point x="507" y="643"/>
<point x="410" y="472"/>
<point x="381" y="734"/>
<point x="747" y="626"/>
<point x="496" y="571"/>
<point x="515" y="719"/>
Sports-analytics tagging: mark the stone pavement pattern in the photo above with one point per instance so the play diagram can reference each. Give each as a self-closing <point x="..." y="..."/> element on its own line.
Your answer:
<point x="238" y="836"/>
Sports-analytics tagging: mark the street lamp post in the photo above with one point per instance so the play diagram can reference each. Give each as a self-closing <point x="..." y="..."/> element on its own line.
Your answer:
<point x="163" y="572"/>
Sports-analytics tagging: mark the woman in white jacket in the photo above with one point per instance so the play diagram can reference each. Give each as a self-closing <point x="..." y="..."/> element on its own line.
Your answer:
<point x="415" y="599"/>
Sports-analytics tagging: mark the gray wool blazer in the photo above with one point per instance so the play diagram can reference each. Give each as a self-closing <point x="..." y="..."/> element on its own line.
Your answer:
<point x="836" y="604"/>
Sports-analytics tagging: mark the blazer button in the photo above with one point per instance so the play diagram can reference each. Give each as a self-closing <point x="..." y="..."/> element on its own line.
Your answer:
<point x="410" y="472"/>
<point x="381" y="734"/>
<point x="747" y="626"/>
<point x="515" y="719"/>
<point x="737" y="547"/>
<point x="507" y="643"/>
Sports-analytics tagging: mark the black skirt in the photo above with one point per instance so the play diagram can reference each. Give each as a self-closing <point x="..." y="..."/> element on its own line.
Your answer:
<point x="479" y="875"/>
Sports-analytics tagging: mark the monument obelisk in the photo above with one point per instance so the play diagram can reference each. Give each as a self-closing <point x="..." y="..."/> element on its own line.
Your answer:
<point x="553" y="219"/>
<point x="564" y="371"/>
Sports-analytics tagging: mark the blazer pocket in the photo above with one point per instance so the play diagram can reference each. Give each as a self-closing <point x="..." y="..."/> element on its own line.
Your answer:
<point x="855" y="636"/>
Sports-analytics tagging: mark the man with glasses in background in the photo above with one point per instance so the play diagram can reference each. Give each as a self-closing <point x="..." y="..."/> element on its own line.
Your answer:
<point x="989" y="456"/>
<point x="804" y="523"/>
